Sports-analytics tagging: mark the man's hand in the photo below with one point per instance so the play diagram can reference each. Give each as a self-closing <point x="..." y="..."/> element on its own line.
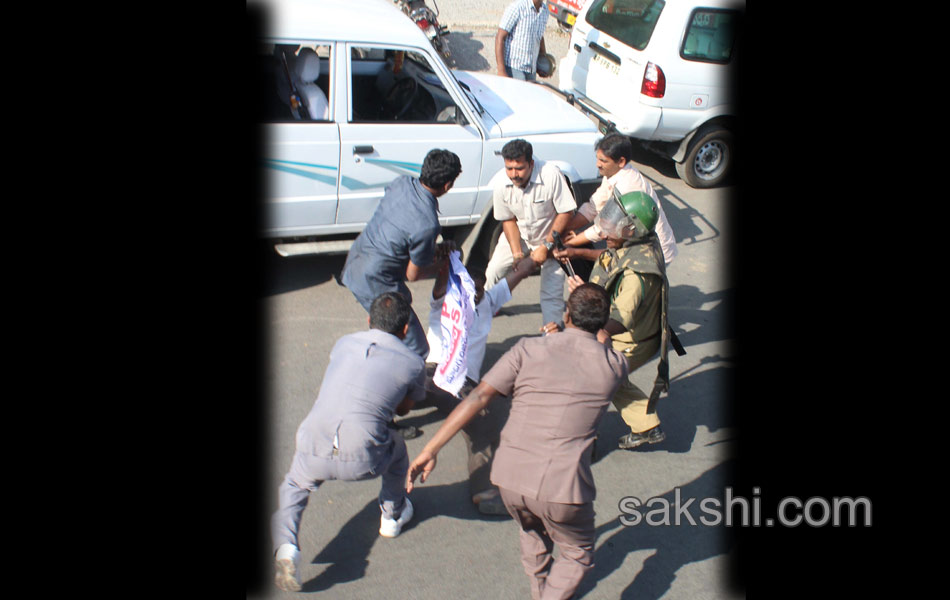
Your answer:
<point x="500" y="36"/>
<point x="539" y="255"/>
<point x="525" y="266"/>
<point x="578" y="240"/>
<point x="405" y="406"/>
<point x="551" y="327"/>
<point x="423" y="464"/>
<point x="443" y="250"/>
<point x="461" y="415"/>
<point x="566" y="253"/>
<point x="522" y="269"/>
<point x="573" y="283"/>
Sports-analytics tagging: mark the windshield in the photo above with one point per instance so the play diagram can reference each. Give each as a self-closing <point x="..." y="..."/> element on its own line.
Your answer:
<point x="471" y="95"/>
<point x="630" y="21"/>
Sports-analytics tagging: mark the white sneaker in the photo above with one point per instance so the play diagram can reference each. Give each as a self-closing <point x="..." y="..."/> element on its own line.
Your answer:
<point x="392" y="527"/>
<point x="285" y="565"/>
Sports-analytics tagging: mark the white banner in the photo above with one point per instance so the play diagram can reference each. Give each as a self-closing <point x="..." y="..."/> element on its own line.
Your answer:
<point x="458" y="314"/>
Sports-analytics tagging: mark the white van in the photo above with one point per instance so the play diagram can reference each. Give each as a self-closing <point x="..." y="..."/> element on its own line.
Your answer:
<point x="386" y="99"/>
<point x="660" y="72"/>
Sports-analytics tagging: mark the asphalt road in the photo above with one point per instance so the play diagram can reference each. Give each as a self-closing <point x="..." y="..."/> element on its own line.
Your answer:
<point x="449" y="550"/>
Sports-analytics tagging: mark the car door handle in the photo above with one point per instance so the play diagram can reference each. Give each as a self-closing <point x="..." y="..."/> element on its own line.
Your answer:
<point x="363" y="150"/>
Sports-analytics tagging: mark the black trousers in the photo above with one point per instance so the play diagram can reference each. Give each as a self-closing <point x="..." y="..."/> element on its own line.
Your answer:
<point x="481" y="435"/>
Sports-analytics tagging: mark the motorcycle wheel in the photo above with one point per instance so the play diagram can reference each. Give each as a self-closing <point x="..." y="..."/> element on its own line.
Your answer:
<point x="442" y="48"/>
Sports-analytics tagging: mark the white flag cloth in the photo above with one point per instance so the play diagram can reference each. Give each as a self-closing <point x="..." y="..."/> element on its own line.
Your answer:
<point x="458" y="314"/>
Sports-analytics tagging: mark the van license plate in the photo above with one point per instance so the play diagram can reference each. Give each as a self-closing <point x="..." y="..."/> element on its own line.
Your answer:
<point x="611" y="66"/>
<point x="571" y="18"/>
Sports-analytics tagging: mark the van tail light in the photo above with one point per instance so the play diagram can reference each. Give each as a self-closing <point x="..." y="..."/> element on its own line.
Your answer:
<point x="654" y="81"/>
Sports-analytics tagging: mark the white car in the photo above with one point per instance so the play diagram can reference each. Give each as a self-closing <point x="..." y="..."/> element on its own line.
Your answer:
<point x="660" y="72"/>
<point x="385" y="99"/>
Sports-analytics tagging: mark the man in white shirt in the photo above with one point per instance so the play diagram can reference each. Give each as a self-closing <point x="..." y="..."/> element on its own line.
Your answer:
<point x="531" y="200"/>
<point x="482" y="434"/>
<point x="520" y="39"/>
<point x="614" y="154"/>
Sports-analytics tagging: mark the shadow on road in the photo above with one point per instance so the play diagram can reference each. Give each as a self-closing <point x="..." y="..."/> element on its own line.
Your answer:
<point x="347" y="554"/>
<point x="646" y="157"/>
<point x="672" y="546"/>
<point x="700" y="318"/>
<point x="287" y="274"/>
<point x="467" y="52"/>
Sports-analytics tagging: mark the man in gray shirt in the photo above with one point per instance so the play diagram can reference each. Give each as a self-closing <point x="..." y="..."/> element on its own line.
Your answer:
<point x="371" y="376"/>
<point x="399" y="242"/>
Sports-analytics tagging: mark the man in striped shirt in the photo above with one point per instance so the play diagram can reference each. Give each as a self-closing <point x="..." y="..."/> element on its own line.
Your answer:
<point x="520" y="39"/>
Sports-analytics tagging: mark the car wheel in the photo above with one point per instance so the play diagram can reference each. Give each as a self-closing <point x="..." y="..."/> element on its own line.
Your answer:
<point x="709" y="159"/>
<point x="477" y="259"/>
<point x="491" y="240"/>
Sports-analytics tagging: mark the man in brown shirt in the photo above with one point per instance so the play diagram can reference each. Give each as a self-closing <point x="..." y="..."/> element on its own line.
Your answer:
<point x="542" y="466"/>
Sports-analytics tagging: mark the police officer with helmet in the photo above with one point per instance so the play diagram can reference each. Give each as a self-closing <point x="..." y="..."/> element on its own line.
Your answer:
<point x="633" y="272"/>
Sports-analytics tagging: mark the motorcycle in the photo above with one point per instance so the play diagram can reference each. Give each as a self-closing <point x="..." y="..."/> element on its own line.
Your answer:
<point x="428" y="22"/>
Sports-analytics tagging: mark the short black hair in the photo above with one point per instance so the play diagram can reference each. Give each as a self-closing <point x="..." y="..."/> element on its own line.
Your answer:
<point x="439" y="168"/>
<point x="616" y="146"/>
<point x="589" y="307"/>
<point x="389" y="312"/>
<point x="515" y="149"/>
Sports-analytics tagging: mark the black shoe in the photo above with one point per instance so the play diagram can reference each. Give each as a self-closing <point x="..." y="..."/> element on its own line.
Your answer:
<point x="633" y="440"/>
<point x="493" y="506"/>
<point x="408" y="432"/>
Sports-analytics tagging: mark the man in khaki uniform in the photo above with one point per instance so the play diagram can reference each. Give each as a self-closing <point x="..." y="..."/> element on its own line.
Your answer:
<point x="543" y="463"/>
<point x="632" y="270"/>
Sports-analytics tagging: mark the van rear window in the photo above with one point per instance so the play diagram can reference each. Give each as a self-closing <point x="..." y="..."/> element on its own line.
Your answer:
<point x="710" y="35"/>
<point x="630" y="21"/>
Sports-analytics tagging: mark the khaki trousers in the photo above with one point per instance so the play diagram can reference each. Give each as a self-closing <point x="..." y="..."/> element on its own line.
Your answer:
<point x="630" y="400"/>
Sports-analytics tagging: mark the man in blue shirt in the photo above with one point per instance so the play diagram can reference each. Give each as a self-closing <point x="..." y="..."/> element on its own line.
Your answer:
<point x="520" y="39"/>
<point x="399" y="242"/>
<point x="371" y="376"/>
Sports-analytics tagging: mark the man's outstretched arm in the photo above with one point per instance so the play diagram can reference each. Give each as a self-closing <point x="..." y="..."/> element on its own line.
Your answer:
<point x="467" y="410"/>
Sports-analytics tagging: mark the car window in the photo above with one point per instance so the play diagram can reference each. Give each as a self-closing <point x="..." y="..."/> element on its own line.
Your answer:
<point x="294" y="82"/>
<point x="710" y="35"/>
<point x="630" y="21"/>
<point x="396" y="85"/>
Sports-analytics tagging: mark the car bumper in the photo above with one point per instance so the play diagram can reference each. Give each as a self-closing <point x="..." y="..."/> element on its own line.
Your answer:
<point x="640" y="123"/>
<point x="562" y="14"/>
